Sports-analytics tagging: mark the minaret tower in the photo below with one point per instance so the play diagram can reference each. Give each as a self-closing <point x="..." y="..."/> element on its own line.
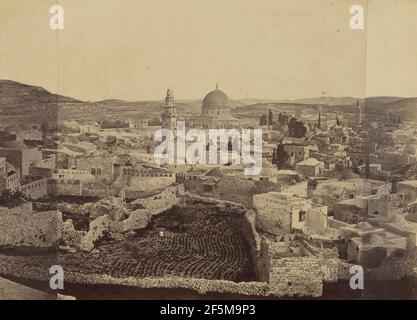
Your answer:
<point x="169" y="111"/>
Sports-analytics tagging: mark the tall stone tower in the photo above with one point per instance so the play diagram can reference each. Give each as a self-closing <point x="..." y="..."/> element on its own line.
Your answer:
<point x="169" y="111"/>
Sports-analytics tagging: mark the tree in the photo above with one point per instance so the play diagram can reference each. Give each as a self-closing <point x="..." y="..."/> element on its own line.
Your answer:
<point x="281" y="157"/>
<point x="155" y="122"/>
<point x="270" y="118"/>
<point x="263" y="120"/>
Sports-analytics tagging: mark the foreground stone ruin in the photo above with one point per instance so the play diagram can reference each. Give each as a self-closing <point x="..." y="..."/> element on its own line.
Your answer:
<point x="185" y="240"/>
<point x="282" y="246"/>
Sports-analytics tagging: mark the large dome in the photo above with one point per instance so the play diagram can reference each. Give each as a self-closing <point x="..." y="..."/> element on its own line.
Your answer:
<point x="215" y="99"/>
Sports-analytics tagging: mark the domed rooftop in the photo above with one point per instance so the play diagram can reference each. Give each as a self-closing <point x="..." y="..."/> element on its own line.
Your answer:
<point x="216" y="99"/>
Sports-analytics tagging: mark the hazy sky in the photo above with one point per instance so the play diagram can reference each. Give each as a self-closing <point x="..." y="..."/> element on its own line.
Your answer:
<point x="136" y="49"/>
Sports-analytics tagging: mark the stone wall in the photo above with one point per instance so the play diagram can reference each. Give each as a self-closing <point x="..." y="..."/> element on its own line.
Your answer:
<point x="104" y="164"/>
<point x="64" y="187"/>
<point x="409" y="191"/>
<point x="296" y="276"/>
<point x="35" y="189"/>
<point x="99" y="190"/>
<point x="24" y="208"/>
<point x="254" y="241"/>
<point x="22" y="228"/>
<point x="134" y="179"/>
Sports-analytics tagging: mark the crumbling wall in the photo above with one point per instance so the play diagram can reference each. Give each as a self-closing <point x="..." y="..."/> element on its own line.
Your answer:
<point x="162" y="201"/>
<point x="71" y="238"/>
<point x="98" y="229"/>
<point x="110" y="217"/>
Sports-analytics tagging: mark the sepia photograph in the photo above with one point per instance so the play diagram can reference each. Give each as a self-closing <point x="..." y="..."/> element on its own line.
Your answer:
<point x="208" y="150"/>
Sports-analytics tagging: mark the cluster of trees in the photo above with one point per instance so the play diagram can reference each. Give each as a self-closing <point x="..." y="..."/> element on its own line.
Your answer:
<point x="296" y="128"/>
<point x="263" y="120"/>
<point x="267" y="119"/>
<point x="109" y="124"/>
<point x="155" y="122"/>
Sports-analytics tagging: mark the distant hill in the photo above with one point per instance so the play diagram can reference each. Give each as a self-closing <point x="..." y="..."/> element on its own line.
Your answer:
<point x="17" y="99"/>
<point x="382" y="99"/>
<point x="110" y="102"/>
<point x="21" y="99"/>
<point x="406" y="108"/>
<point x="340" y="101"/>
<point x="19" y="94"/>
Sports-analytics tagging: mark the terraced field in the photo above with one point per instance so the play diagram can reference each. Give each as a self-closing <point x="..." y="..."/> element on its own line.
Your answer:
<point x="198" y="242"/>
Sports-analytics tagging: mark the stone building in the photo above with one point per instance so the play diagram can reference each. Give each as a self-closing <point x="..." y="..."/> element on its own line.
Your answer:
<point x="279" y="213"/>
<point x="138" y="124"/>
<point x="63" y="174"/>
<point x="296" y="149"/>
<point x="310" y="167"/>
<point x="21" y="157"/>
<point x="144" y="179"/>
<point x="329" y="192"/>
<point x="9" y="176"/>
<point x="297" y="268"/>
<point x="96" y="165"/>
<point x="409" y="189"/>
<point x="371" y="249"/>
<point x="351" y="210"/>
